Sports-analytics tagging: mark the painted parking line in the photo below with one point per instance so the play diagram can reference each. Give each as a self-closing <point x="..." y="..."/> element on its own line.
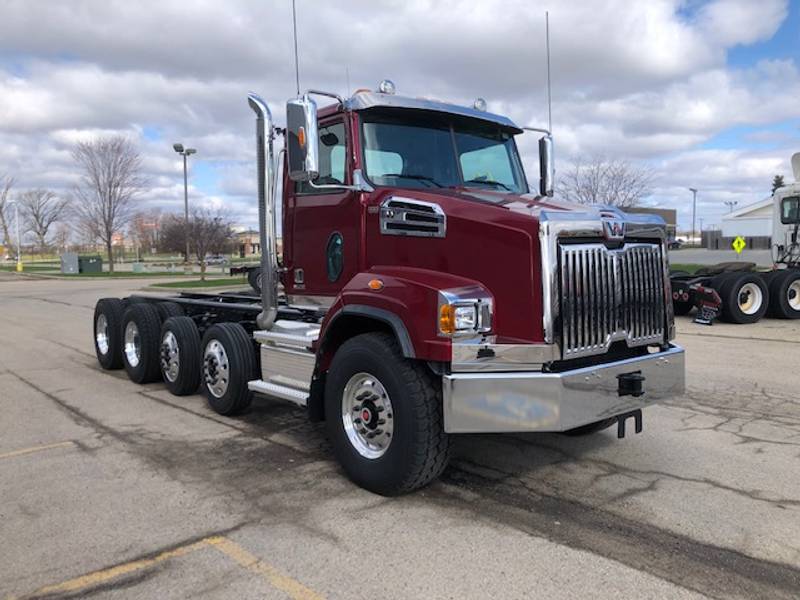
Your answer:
<point x="291" y="587"/>
<point x="34" y="449"/>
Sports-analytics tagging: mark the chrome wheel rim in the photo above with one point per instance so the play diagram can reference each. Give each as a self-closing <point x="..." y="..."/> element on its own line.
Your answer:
<point x="367" y="415"/>
<point x="170" y="357"/>
<point x="793" y="295"/>
<point x="216" y="368"/>
<point x="750" y="298"/>
<point x="101" y="333"/>
<point x="133" y="344"/>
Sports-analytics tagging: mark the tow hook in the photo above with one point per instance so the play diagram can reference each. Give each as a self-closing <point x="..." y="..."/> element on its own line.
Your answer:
<point x="631" y="384"/>
<point x="637" y="419"/>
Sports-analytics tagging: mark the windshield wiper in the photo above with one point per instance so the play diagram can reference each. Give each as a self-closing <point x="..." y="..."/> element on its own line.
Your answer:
<point x="415" y="177"/>
<point x="485" y="181"/>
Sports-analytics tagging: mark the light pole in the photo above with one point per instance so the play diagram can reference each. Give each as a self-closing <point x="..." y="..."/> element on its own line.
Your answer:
<point x="184" y="152"/>
<point x="731" y="204"/>
<point x="19" y="241"/>
<point x="694" y="208"/>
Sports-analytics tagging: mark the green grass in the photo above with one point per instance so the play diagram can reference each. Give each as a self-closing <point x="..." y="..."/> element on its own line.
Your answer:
<point x="129" y="274"/>
<point x="688" y="267"/>
<point x="197" y="283"/>
<point x="29" y="268"/>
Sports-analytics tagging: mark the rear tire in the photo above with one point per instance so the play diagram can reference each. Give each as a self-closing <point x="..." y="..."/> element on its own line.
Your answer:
<point x="141" y="334"/>
<point x="254" y="279"/>
<point x="372" y="389"/>
<point x="784" y="294"/>
<point x="179" y="355"/>
<point x="169" y="309"/>
<point x="228" y="364"/>
<point x="108" y="332"/>
<point x="745" y="297"/>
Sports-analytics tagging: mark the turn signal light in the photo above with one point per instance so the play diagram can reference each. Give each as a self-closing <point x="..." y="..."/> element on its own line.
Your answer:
<point x="375" y="285"/>
<point x="447" y="319"/>
<point x="301" y="136"/>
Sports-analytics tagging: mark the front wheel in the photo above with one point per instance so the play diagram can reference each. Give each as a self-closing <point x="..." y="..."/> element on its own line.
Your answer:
<point x="384" y="416"/>
<point x="229" y="363"/>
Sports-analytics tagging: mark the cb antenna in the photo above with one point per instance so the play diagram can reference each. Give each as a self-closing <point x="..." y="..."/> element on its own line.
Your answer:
<point x="549" y="96"/>
<point x="296" y="62"/>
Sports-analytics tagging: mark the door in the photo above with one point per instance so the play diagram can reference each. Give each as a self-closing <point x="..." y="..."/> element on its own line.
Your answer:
<point x="325" y="223"/>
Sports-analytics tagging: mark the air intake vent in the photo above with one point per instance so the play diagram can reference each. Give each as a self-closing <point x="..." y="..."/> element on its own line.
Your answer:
<point x="404" y="216"/>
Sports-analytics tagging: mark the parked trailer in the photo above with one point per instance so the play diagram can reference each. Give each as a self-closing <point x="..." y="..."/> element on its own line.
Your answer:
<point x="738" y="290"/>
<point x="420" y="298"/>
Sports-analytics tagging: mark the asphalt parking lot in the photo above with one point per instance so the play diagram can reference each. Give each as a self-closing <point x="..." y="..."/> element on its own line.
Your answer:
<point x="114" y="490"/>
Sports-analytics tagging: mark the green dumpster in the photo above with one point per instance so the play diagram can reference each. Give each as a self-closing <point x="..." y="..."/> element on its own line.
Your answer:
<point x="90" y="264"/>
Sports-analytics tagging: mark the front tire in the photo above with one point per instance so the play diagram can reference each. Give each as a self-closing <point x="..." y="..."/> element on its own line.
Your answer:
<point x="384" y="416"/>
<point x="229" y="363"/>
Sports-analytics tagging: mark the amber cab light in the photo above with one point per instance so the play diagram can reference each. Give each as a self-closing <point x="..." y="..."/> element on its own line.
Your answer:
<point x="375" y="285"/>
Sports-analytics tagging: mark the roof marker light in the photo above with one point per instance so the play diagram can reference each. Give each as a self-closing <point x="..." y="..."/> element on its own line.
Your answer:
<point x="479" y="104"/>
<point x="386" y="87"/>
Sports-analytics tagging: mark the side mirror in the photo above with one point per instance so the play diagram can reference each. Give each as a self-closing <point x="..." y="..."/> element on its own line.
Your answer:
<point x="546" y="166"/>
<point x="302" y="148"/>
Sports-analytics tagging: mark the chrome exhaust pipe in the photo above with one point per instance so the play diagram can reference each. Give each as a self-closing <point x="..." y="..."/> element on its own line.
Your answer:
<point x="266" y="212"/>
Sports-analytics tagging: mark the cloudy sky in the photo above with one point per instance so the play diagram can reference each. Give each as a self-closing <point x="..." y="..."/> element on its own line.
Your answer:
<point x="707" y="93"/>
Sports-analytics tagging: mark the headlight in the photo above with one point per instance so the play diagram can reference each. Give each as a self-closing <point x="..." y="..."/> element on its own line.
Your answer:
<point x="464" y="316"/>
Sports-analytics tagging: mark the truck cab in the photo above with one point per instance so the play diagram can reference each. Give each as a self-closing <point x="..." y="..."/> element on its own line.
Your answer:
<point x="413" y="221"/>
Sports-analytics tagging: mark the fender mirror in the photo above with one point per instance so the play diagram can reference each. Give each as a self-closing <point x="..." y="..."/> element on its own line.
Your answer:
<point x="302" y="139"/>
<point x="546" y="166"/>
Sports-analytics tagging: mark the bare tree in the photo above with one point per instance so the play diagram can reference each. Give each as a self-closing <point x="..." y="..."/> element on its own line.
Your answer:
<point x="42" y="209"/>
<point x="110" y="180"/>
<point x="601" y="180"/>
<point x="210" y="232"/>
<point x="6" y="183"/>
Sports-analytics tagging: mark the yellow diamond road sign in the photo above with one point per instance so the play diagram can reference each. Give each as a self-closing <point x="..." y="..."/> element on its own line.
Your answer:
<point x="738" y="244"/>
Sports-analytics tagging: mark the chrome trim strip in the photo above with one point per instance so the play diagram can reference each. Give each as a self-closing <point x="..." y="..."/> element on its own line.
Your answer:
<point x="308" y="302"/>
<point x="399" y="215"/>
<point x="536" y="401"/>
<point x="483" y="354"/>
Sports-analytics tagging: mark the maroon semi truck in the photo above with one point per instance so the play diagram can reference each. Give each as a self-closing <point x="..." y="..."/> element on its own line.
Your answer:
<point x="426" y="291"/>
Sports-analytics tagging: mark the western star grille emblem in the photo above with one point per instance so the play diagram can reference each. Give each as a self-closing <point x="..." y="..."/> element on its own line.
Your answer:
<point x="614" y="229"/>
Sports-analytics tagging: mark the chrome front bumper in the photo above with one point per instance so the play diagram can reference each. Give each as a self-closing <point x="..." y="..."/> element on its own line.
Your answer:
<point x="494" y="402"/>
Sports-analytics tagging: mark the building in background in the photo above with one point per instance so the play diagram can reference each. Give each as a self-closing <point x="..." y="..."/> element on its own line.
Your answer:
<point x="248" y="243"/>
<point x="752" y="222"/>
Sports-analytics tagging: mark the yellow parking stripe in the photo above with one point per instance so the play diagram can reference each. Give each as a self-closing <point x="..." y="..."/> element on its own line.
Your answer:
<point x="293" y="588"/>
<point x="34" y="449"/>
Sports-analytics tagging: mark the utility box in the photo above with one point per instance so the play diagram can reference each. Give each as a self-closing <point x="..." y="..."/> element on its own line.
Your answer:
<point x="90" y="264"/>
<point x="69" y="263"/>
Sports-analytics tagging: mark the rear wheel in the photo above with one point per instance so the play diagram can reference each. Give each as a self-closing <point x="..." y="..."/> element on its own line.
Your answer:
<point x="384" y="416"/>
<point x="169" y="309"/>
<point x="179" y="355"/>
<point x="784" y="293"/>
<point x="141" y="329"/>
<point x="254" y="279"/>
<point x="108" y="332"/>
<point x="229" y="363"/>
<point x="745" y="298"/>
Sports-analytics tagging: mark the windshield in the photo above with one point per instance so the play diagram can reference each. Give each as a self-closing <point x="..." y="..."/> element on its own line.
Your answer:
<point x="418" y="151"/>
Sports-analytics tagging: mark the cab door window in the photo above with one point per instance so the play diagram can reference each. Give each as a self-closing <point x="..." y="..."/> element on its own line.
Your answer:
<point x="332" y="159"/>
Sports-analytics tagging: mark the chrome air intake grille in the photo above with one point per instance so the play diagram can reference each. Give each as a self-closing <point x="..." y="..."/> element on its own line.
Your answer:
<point x="609" y="295"/>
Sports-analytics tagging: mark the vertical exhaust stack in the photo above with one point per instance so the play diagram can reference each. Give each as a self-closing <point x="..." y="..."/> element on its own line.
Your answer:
<point x="266" y="212"/>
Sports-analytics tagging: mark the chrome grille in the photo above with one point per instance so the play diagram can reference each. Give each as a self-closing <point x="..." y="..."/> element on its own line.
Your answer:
<point x="609" y="295"/>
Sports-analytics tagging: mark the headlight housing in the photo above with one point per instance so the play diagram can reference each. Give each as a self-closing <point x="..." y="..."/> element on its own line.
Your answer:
<point x="464" y="316"/>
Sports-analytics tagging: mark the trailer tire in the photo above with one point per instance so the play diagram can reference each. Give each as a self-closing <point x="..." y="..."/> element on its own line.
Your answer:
<point x="784" y="294"/>
<point x="228" y="364"/>
<point x="169" y="309"/>
<point x="179" y="355"/>
<point x="141" y="334"/>
<point x="681" y="308"/>
<point x="254" y="279"/>
<point x="384" y="416"/>
<point x="108" y="332"/>
<point x="590" y="428"/>
<point x="745" y="297"/>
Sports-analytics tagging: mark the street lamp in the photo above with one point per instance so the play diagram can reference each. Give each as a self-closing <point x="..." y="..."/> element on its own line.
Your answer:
<point x="184" y="152"/>
<point x="731" y="204"/>
<point x="694" y="208"/>
<point x="19" y="246"/>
